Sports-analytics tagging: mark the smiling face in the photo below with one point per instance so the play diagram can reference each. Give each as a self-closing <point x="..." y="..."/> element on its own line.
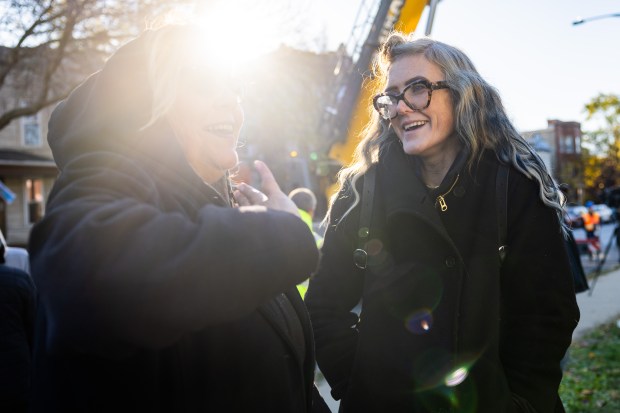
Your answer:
<point x="207" y="118"/>
<point x="428" y="132"/>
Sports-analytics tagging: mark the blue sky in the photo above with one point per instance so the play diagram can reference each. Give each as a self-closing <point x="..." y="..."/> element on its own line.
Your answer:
<point x="542" y="65"/>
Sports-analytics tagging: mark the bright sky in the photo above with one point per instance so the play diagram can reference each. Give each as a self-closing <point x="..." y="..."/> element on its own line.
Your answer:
<point x="542" y="65"/>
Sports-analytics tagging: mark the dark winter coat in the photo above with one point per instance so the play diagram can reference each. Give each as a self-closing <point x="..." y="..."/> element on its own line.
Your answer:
<point x="157" y="296"/>
<point x="17" y="310"/>
<point x="444" y="327"/>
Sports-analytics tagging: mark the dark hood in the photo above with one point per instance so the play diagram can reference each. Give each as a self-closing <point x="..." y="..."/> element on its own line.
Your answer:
<point x="107" y="110"/>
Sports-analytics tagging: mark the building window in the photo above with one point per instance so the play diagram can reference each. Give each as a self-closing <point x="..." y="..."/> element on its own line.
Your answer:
<point x="568" y="144"/>
<point x="577" y="144"/>
<point x="34" y="198"/>
<point x="31" y="130"/>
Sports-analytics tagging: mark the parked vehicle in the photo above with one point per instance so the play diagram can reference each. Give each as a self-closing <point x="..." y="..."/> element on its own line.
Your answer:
<point x="604" y="212"/>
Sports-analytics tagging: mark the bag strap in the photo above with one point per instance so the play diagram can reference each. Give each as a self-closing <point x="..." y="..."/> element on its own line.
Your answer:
<point x="501" y="192"/>
<point x="360" y="255"/>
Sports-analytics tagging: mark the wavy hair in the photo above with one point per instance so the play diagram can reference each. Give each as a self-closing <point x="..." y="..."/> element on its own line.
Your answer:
<point x="480" y="118"/>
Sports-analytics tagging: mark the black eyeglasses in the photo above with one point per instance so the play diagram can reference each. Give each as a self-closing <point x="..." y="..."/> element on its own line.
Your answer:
<point x="416" y="95"/>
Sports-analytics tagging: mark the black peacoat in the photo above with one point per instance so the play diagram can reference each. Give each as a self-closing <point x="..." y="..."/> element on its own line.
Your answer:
<point x="444" y="325"/>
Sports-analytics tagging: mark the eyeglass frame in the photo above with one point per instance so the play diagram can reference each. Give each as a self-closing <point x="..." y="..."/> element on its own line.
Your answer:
<point x="430" y="86"/>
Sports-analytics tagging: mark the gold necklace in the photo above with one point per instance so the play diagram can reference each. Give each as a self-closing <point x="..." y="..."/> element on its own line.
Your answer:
<point x="441" y="200"/>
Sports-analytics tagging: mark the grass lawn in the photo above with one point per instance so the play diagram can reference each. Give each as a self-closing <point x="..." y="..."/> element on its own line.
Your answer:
<point x="591" y="380"/>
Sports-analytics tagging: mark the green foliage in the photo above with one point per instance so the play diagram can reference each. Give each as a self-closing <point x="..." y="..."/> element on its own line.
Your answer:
<point x="602" y="163"/>
<point x="591" y="380"/>
<point x="606" y="105"/>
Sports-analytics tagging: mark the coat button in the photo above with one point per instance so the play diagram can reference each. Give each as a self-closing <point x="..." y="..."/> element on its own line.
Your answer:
<point x="450" y="262"/>
<point x="459" y="191"/>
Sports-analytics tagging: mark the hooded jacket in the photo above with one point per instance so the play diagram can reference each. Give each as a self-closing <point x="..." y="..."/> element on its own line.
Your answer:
<point x="17" y="311"/>
<point x="444" y="325"/>
<point x="155" y="294"/>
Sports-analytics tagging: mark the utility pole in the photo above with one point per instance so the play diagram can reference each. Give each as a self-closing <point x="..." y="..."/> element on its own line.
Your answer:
<point x="432" y="6"/>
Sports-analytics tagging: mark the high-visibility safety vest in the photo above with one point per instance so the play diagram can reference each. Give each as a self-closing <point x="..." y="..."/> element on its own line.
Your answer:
<point x="590" y="220"/>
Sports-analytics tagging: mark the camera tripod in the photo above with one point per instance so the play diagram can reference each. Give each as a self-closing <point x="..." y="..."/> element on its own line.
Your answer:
<point x="599" y="267"/>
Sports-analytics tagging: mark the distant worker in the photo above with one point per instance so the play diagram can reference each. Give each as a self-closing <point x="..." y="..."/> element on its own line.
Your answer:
<point x="591" y="221"/>
<point x="305" y="200"/>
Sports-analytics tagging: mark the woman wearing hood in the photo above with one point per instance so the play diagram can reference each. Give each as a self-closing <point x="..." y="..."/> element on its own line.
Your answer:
<point x="156" y="293"/>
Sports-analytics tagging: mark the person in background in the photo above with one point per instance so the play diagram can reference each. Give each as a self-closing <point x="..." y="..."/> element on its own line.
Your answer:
<point x="579" y="276"/>
<point x="15" y="257"/>
<point x="305" y="200"/>
<point x="467" y="301"/>
<point x="158" y="293"/>
<point x="591" y="222"/>
<point x="17" y="312"/>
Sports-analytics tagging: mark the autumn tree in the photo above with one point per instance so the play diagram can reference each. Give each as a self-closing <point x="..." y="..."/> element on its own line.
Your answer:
<point x="602" y="161"/>
<point x="47" y="47"/>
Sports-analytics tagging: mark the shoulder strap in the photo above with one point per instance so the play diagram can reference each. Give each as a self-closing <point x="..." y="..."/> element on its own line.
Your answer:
<point x="360" y="256"/>
<point x="501" y="192"/>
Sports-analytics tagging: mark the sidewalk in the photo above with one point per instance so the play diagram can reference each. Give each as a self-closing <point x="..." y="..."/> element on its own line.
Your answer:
<point x="602" y="306"/>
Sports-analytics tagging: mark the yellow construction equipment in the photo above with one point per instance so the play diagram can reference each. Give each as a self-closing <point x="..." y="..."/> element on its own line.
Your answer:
<point x="354" y="90"/>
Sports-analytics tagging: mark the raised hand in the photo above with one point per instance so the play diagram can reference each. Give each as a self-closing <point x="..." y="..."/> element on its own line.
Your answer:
<point x="270" y="194"/>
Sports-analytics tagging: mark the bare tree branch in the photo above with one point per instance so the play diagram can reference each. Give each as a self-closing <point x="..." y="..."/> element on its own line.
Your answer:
<point x="50" y="46"/>
<point x="9" y="116"/>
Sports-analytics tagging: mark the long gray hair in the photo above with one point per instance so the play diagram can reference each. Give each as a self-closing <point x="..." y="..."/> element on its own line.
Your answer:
<point x="480" y="119"/>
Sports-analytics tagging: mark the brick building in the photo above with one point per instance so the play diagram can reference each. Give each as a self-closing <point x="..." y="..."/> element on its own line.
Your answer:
<point x="559" y="145"/>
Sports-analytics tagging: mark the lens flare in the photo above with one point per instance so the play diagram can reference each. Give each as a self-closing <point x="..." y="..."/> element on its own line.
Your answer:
<point x="456" y="377"/>
<point x="420" y="322"/>
<point x="234" y="33"/>
<point x="374" y="247"/>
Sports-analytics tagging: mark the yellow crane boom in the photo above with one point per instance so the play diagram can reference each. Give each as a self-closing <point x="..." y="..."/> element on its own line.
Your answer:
<point x="401" y="15"/>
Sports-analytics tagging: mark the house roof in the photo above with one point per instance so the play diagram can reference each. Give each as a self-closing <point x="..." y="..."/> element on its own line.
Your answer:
<point x="20" y="163"/>
<point x="21" y="156"/>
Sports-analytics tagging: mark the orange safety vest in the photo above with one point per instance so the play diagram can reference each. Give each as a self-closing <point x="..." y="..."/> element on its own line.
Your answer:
<point x="590" y="220"/>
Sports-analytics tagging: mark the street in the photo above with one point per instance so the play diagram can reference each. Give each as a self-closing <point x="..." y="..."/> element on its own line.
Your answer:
<point x="608" y="243"/>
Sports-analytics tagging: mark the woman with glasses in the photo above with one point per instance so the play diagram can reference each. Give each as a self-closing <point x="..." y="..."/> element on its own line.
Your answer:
<point x="156" y="293"/>
<point x="444" y="285"/>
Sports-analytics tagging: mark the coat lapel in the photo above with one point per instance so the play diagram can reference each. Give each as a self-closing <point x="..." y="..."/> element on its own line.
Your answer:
<point x="404" y="192"/>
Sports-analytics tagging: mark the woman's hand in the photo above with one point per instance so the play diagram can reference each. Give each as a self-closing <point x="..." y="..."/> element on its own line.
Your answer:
<point x="270" y="195"/>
